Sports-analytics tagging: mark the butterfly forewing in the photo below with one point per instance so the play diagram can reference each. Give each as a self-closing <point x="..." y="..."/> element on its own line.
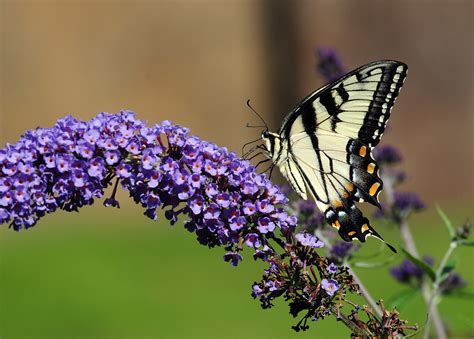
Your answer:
<point x="327" y="141"/>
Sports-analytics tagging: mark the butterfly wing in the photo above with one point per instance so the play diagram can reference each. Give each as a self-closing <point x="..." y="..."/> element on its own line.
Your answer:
<point x="329" y="138"/>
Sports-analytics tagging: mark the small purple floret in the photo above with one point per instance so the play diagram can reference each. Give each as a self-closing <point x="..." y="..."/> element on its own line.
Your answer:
<point x="233" y="258"/>
<point x="332" y="268"/>
<point x="330" y="286"/>
<point x="309" y="240"/>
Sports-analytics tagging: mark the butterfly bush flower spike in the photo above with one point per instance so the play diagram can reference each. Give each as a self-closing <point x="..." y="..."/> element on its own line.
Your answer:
<point x="387" y="155"/>
<point x="330" y="65"/>
<point x="403" y="204"/>
<point x="226" y="203"/>
<point x="408" y="272"/>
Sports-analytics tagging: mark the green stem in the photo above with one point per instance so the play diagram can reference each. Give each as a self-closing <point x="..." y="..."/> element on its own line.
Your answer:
<point x="365" y="293"/>
<point x="436" y="285"/>
<point x="426" y="292"/>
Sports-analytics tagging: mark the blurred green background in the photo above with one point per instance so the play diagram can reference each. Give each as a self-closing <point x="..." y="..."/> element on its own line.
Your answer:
<point x="107" y="273"/>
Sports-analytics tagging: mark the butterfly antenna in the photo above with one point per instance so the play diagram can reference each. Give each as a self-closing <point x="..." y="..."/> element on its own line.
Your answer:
<point x="269" y="168"/>
<point x="250" y="106"/>
<point x="254" y="155"/>
<point x="262" y="162"/>
<point x="249" y="152"/>
<point x="249" y="143"/>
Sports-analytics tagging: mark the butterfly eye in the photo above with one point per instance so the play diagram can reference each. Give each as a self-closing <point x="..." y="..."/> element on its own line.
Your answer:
<point x="265" y="134"/>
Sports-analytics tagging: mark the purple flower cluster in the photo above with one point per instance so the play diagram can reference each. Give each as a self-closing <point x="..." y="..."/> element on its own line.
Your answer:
<point x="341" y="250"/>
<point x="408" y="272"/>
<point x="329" y="64"/>
<point x="68" y="166"/>
<point x="387" y="154"/>
<point x="403" y="203"/>
<point x="452" y="282"/>
<point x="309" y="240"/>
<point x="309" y="216"/>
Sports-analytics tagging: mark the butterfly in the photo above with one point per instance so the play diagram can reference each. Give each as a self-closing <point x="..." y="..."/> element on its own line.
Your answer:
<point x="324" y="146"/>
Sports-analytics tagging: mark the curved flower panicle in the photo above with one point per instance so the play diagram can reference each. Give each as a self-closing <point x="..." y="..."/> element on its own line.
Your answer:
<point x="329" y="64"/>
<point x="69" y="165"/>
<point x="403" y="204"/>
<point x="341" y="250"/>
<point x="453" y="281"/>
<point x="408" y="272"/>
<point x="387" y="155"/>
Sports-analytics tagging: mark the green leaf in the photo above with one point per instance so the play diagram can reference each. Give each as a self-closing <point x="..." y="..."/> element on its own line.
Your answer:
<point x="447" y="222"/>
<point x="459" y="294"/>
<point x="424" y="266"/>
<point x="366" y="264"/>
<point x="400" y="300"/>
<point x="448" y="268"/>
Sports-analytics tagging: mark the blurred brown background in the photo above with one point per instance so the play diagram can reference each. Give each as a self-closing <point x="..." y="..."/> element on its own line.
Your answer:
<point x="197" y="62"/>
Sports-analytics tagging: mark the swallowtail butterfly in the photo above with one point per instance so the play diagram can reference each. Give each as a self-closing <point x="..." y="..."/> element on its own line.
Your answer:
<point x="324" y="146"/>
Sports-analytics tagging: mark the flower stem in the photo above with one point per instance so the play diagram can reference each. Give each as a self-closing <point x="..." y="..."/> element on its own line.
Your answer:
<point x="365" y="333"/>
<point x="435" y="290"/>
<point x="363" y="290"/>
<point x="365" y="293"/>
<point x="433" y="312"/>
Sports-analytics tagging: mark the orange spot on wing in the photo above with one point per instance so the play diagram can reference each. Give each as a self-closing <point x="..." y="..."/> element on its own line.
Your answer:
<point x="373" y="188"/>
<point x="350" y="187"/>
<point x="364" y="228"/>
<point x="345" y="195"/>
<point x="337" y="203"/>
<point x="371" y="168"/>
<point x="363" y="151"/>
<point x="336" y="224"/>
<point x="351" y="233"/>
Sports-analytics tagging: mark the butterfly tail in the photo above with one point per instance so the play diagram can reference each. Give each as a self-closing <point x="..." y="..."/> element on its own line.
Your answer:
<point x="351" y="224"/>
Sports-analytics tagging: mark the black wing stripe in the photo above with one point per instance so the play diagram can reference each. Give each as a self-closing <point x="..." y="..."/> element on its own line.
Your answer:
<point x="298" y="187"/>
<point x="309" y="124"/>
<point x="310" y="185"/>
<point x="388" y="87"/>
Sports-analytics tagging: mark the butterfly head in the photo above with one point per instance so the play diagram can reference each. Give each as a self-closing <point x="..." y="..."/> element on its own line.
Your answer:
<point x="272" y="143"/>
